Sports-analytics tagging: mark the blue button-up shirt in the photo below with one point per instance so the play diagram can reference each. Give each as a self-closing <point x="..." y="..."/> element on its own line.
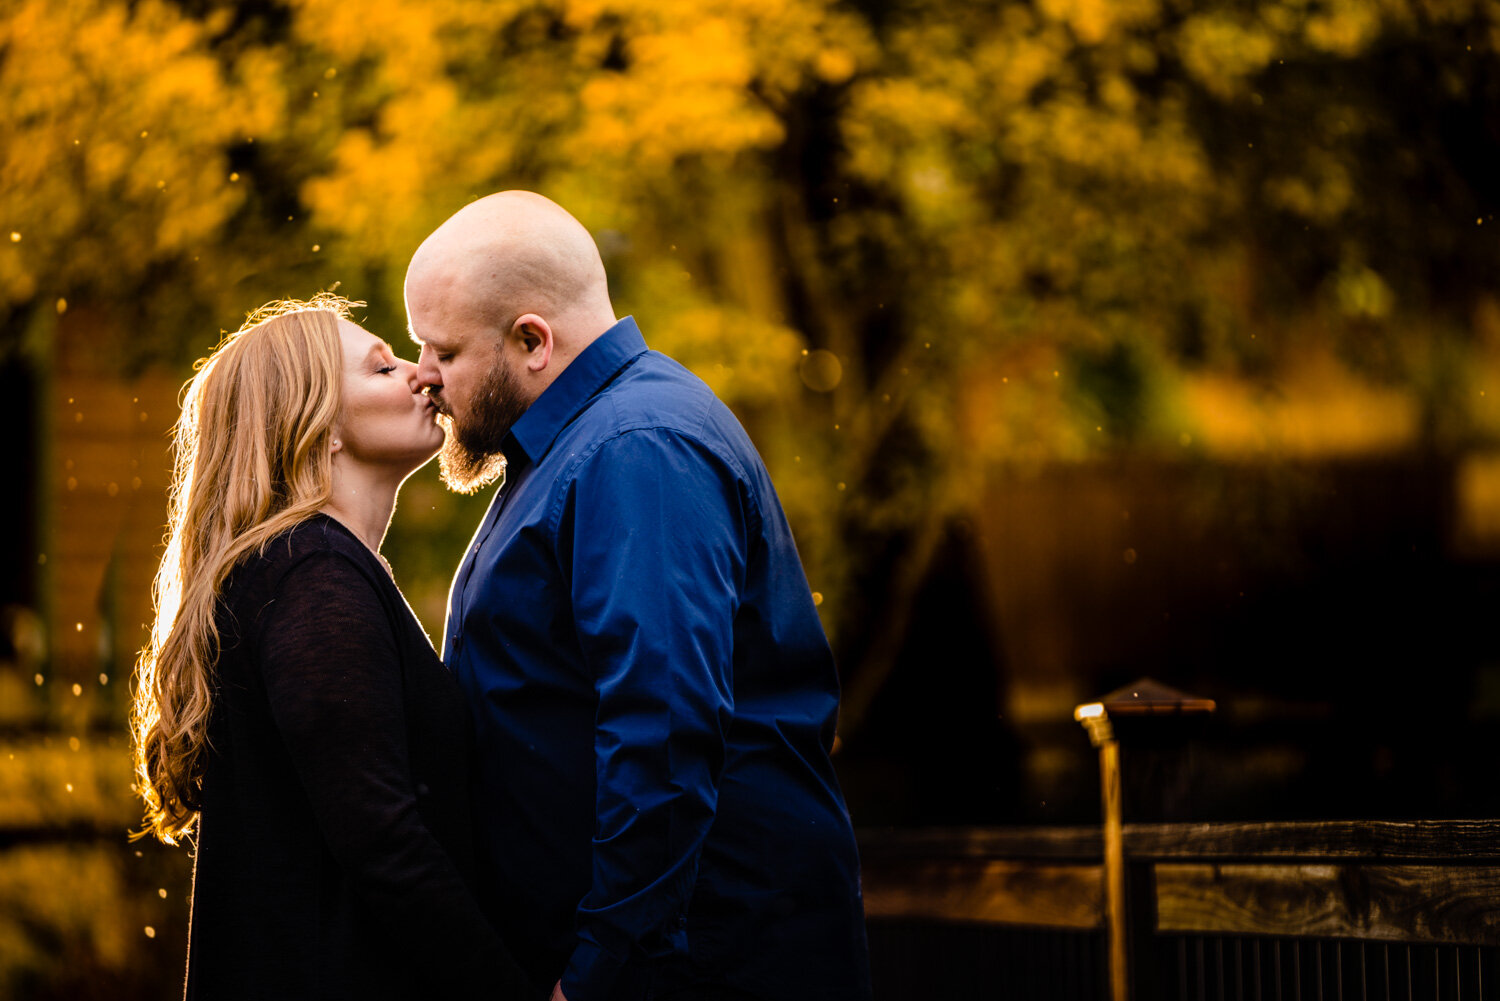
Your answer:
<point x="654" y="699"/>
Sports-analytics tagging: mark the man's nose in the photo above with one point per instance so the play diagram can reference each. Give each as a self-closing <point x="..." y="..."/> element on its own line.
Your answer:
<point x="426" y="375"/>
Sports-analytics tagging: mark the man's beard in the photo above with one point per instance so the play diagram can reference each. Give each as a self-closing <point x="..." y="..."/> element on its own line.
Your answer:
<point x="471" y="457"/>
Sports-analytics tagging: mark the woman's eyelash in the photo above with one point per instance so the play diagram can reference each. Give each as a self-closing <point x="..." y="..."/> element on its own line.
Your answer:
<point x="385" y="369"/>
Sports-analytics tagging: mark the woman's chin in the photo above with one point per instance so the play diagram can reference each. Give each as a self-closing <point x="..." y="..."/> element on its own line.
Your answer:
<point x="416" y="458"/>
<point x="427" y="455"/>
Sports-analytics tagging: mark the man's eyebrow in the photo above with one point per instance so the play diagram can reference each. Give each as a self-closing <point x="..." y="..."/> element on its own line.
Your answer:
<point x="435" y="342"/>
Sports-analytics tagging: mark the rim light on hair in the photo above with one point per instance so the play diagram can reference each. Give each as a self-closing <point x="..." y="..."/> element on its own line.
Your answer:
<point x="250" y="460"/>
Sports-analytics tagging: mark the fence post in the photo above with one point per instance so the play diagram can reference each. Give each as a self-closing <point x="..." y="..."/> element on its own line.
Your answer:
<point x="1144" y="698"/>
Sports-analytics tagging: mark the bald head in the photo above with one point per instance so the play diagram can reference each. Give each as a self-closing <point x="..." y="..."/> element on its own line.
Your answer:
<point x="508" y="255"/>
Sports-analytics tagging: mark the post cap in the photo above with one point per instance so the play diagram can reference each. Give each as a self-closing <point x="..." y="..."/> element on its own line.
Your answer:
<point x="1148" y="697"/>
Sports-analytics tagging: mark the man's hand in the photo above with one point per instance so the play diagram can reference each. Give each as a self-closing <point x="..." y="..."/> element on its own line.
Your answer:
<point x="557" y="994"/>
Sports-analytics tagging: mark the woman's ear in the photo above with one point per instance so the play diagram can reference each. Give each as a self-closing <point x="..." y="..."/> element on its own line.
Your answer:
<point x="534" y="337"/>
<point x="335" y="446"/>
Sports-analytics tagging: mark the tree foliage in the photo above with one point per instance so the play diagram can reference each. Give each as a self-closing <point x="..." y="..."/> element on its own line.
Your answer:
<point x="906" y="239"/>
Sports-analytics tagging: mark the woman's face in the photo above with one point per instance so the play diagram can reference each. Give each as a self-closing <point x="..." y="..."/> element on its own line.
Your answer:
<point x="386" y="422"/>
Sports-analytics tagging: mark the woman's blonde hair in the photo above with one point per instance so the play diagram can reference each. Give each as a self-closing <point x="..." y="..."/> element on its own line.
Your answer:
<point x="251" y="459"/>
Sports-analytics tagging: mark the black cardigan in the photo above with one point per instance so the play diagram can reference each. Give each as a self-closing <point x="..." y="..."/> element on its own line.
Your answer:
<point x="335" y="857"/>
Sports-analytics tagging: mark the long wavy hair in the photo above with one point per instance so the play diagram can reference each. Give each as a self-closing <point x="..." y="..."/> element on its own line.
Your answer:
<point x="251" y="459"/>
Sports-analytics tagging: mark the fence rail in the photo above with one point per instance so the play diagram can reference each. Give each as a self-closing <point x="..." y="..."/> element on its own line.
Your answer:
<point x="1410" y="840"/>
<point x="1236" y="909"/>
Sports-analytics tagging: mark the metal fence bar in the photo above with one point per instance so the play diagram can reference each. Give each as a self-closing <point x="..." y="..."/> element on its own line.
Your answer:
<point x="1205" y="967"/>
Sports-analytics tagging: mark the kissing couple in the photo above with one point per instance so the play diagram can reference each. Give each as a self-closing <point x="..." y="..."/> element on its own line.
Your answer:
<point x="614" y="784"/>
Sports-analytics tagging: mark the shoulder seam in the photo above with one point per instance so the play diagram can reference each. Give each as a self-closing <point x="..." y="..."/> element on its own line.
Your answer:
<point x="569" y="474"/>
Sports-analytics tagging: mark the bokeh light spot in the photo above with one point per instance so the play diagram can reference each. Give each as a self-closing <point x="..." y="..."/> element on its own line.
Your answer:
<point x="821" y="370"/>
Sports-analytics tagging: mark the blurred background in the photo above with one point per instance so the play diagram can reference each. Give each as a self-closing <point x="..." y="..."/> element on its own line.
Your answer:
<point x="1085" y="340"/>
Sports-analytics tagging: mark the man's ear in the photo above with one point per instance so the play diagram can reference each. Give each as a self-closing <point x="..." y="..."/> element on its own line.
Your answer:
<point x="534" y="337"/>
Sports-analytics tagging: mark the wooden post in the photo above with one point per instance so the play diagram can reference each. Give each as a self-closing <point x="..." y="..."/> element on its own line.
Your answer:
<point x="1114" y="871"/>
<point x="1101" y="733"/>
<point x="1144" y="698"/>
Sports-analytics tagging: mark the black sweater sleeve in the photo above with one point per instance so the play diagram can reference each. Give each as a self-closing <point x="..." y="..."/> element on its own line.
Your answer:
<point x="331" y="666"/>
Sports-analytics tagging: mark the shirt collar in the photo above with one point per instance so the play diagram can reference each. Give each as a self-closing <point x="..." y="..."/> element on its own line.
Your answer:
<point x="533" y="434"/>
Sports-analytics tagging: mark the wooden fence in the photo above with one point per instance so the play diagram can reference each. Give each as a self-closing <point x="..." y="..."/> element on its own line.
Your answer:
<point x="1215" y="911"/>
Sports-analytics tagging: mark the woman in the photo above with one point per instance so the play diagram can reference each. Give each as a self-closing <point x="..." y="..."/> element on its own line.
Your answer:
<point x="290" y="714"/>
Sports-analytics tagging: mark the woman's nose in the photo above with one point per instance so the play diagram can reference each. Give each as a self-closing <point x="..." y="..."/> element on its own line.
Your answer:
<point x="409" y="372"/>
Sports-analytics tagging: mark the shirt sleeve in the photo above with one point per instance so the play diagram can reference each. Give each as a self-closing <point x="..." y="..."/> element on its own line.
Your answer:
<point x="654" y="536"/>
<point x="329" y="660"/>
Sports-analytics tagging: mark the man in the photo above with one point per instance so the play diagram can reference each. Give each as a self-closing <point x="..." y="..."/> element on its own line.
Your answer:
<point x="653" y="694"/>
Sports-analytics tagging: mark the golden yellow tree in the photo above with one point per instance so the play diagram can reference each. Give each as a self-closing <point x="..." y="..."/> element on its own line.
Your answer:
<point x="907" y="241"/>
